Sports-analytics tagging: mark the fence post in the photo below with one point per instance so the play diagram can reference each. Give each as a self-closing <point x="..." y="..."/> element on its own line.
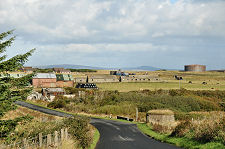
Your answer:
<point x="62" y="134"/>
<point x="56" y="138"/>
<point x="49" y="139"/>
<point x="66" y="133"/>
<point x="40" y="139"/>
<point x="136" y="114"/>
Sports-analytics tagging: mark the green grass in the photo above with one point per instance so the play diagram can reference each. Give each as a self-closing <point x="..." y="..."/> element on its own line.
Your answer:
<point x="134" y="86"/>
<point x="95" y="139"/>
<point x="180" y="142"/>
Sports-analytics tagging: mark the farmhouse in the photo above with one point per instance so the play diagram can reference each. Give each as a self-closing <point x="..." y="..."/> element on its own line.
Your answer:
<point x="61" y="70"/>
<point x="64" y="80"/>
<point x="27" y="69"/>
<point x="44" y="80"/>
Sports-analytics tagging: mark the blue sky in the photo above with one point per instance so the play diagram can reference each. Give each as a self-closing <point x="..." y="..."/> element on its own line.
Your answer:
<point x="111" y="33"/>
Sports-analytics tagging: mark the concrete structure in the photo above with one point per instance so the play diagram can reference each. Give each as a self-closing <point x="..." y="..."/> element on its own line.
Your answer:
<point x="139" y="78"/>
<point x="102" y="78"/>
<point x="53" y="91"/>
<point x="44" y="80"/>
<point x="61" y="70"/>
<point x="64" y="80"/>
<point x="160" y="116"/>
<point x="195" y="68"/>
<point x="80" y="79"/>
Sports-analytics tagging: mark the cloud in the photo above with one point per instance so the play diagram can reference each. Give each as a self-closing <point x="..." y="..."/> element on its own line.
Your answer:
<point x="100" y="26"/>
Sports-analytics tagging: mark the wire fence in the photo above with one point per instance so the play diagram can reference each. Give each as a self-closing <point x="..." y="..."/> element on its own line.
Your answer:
<point x="53" y="140"/>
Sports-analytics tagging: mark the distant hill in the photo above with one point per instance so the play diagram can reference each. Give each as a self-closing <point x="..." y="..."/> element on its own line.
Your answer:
<point x="70" y="66"/>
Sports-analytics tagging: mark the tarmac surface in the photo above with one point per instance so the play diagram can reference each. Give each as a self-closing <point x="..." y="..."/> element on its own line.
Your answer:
<point x="113" y="134"/>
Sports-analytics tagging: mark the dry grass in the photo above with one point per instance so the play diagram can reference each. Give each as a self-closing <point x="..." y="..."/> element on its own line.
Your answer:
<point x="161" y="112"/>
<point x="21" y="111"/>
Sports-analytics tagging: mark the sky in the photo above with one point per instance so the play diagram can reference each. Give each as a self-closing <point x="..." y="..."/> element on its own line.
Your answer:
<point x="167" y="34"/>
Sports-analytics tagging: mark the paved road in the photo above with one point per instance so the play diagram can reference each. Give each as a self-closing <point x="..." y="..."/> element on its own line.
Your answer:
<point x="113" y="134"/>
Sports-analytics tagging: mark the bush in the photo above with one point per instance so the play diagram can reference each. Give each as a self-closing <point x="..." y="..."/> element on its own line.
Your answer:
<point x="181" y="129"/>
<point x="206" y="130"/>
<point x="78" y="128"/>
<point x="57" y="103"/>
<point x="71" y="90"/>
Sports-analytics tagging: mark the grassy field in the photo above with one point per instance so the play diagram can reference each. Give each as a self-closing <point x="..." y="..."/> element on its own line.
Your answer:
<point x="214" y="81"/>
<point x="125" y="87"/>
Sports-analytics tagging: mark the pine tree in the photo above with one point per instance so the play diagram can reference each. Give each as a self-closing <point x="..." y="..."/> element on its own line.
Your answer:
<point x="12" y="89"/>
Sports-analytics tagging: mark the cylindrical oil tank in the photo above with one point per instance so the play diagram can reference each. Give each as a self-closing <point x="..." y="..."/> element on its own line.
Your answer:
<point x="196" y="68"/>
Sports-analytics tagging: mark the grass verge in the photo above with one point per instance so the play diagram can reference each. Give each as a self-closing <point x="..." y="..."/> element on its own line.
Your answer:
<point x="95" y="139"/>
<point x="180" y="142"/>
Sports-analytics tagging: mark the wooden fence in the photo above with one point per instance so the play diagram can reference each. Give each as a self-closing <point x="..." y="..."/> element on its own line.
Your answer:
<point x="53" y="140"/>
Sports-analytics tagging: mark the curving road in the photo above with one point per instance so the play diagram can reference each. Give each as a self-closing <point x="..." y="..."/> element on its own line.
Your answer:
<point x="113" y="134"/>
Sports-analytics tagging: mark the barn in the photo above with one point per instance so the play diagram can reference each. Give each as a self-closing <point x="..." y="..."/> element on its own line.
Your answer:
<point x="44" y="80"/>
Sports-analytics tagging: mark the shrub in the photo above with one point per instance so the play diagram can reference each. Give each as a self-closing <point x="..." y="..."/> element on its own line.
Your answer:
<point x="71" y="90"/>
<point x="162" y="128"/>
<point x="57" y="103"/>
<point x="181" y="129"/>
<point x="209" y="130"/>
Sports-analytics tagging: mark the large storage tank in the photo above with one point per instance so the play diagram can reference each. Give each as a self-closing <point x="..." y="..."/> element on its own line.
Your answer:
<point x="196" y="68"/>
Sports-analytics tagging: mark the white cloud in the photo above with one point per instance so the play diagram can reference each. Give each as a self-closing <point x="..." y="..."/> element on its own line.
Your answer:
<point x="95" y="26"/>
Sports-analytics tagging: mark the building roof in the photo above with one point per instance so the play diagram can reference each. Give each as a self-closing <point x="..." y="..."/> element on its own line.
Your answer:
<point x="45" y="76"/>
<point x="54" y="89"/>
<point x="64" y="77"/>
<point x="13" y="75"/>
<point x="195" y="65"/>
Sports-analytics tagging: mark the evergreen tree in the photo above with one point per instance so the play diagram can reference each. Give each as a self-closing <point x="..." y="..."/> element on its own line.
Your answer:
<point x="12" y="89"/>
